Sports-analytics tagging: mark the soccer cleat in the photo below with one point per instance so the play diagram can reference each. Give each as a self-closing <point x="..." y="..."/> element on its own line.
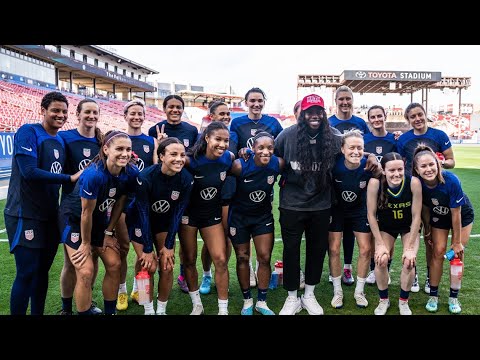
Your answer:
<point x="454" y="306"/>
<point x="134" y="296"/>
<point x="370" y="278"/>
<point x="360" y="299"/>
<point x="291" y="306"/>
<point x="197" y="309"/>
<point x="432" y="304"/>
<point x="415" y="286"/>
<point x="253" y="278"/>
<point x="404" y="308"/>
<point x="182" y="283"/>
<point x="302" y="281"/>
<point x="427" y="286"/>
<point x="95" y="309"/>
<point x="205" y="286"/>
<point x="311" y="304"/>
<point x="337" y="300"/>
<point x="247" y="307"/>
<point x="347" y="277"/>
<point x="122" y="302"/>
<point x="65" y="312"/>
<point x="262" y="308"/>
<point x="382" y="307"/>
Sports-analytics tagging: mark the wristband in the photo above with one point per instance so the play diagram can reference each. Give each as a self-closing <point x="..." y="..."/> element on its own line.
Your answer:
<point x="109" y="233"/>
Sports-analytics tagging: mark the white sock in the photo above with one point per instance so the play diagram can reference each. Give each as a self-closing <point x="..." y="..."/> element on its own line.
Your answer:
<point x="309" y="290"/>
<point x="360" y="285"/>
<point x="223" y="305"/>
<point x="207" y="273"/>
<point x="149" y="307"/>
<point x="293" y="293"/>
<point x="256" y="266"/>
<point x="337" y="284"/>
<point x="122" y="289"/>
<point x="161" y="306"/>
<point x="195" y="296"/>
<point x="347" y="266"/>
<point x="134" y="284"/>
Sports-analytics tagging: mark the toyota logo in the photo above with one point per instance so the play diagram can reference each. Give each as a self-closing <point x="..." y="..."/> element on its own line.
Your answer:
<point x="56" y="168"/>
<point x="257" y="196"/>
<point x="208" y="193"/>
<point x="441" y="210"/>
<point x="106" y="204"/>
<point x="361" y="74"/>
<point x="83" y="164"/>
<point x="349" y="196"/>
<point x="161" y="206"/>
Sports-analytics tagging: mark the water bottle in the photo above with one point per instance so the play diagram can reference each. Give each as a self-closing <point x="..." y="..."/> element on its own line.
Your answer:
<point x="456" y="273"/>
<point x="279" y="271"/>
<point x="273" y="281"/>
<point x="449" y="255"/>
<point x="143" y="285"/>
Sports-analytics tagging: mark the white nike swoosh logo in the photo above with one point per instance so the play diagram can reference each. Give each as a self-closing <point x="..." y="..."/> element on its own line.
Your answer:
<point x="447" y="142"/>
<point x="139" y="182"/>
<point x="247" y="180"/>
<point x="338" y="180"/>
<point x="88" y="193"/>
<point x="217" y="218"/>
<point x="459" y="200"/>
<point x="268" y="224"/>
<point x="198" y="177"/>
<point x="28" y="149"/>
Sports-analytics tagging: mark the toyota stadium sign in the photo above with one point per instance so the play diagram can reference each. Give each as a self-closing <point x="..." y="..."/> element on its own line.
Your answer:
<point x="391" y="75"/>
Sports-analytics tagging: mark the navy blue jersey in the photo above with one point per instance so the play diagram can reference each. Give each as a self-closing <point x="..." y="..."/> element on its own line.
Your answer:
<point x="243" y="129"/>
<point x="161" y="200"/>
<point x="351" y="186"/>
<point x="380" y="145"/>
<point x="254" y="186"/>
<point x="96" y="182"/>
<point x="407" y="143"/>
<point x="397" y="215"/>
<point x="353" y="123"/>
<point x="183" y="131"/>
<point x="35" y="199"/>
<point x="144" y="147"/>
<point x="80" y="151"/>
<point x="444" y="197"/>
<point x="209" y="178"/>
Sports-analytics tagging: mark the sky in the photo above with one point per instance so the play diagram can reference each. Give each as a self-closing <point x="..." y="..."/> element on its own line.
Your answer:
<point x="274" y="68"/>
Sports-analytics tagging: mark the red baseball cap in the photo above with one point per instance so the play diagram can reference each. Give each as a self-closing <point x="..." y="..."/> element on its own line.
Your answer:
<point x="312" y="100"/>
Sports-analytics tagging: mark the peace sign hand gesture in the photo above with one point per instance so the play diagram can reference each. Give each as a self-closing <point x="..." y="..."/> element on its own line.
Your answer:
<point x="161" y="135"/>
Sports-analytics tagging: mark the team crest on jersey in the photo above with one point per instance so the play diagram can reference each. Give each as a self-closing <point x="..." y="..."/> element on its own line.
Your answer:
<point x="186" y="142"/>
<point x="75" y="237"/>
<point x="138" y="232"/>
<point x="86" y="152"/>
<point x="112" y="192"/>
<point x="175" y="194"/>
<point x="435" y="219"/>
<point x="146" y="148"/>
<point x="185" y="220"/>
<point x="362" y="184"/>
<point x="379" y="149"/>
<point x="270" y="179"/>
<point x="29" y="235"/>
<point x="253" y="131"/>
<point x="434" y="201"/>
<point x="56" y="153"/>
<point x="223" y="175"/>
<point x="233" y="231"/>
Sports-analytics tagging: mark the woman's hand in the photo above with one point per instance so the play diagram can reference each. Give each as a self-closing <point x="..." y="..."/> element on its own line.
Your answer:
<point x="167" y="258"/>
<point x="149" y="261"/>
<point x="382" y="255"/>
<point x="80" y="256"/>
<point x="409" y="258"/>
<point x="112" y="243"/>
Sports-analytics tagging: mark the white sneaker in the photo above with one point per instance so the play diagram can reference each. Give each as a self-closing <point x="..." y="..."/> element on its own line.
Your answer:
<point x="160" y="312"/>
<point x="382" y="307"/>
<point x="302" y="280"/>
<point x="427" y="286"/>
<point x="370" y="278"/>
<point x="337" y="300"/>
<point x="292" y="306"/>
<point x="404" y="308"/>
<point x="253" y="279"/>
<point x="415" y="286"/>
<point x="197" y="309"/>
<point x="311" y="304"/>
<point x="361" y="300"/>
<point x="149" y="312"/>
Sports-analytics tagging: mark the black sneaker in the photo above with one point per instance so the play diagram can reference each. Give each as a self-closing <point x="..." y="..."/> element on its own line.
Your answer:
<point x="95" y="310"/>
<point x="65" y="312"/>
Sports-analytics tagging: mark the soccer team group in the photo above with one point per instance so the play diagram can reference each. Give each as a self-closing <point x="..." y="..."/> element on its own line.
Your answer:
<point x="339" y="180"/>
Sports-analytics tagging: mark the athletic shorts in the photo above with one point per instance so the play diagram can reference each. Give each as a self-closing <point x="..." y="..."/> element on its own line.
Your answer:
<point x="31" y="233"/>
<point x="358" y="222"/>
<point x="241" y="227"/>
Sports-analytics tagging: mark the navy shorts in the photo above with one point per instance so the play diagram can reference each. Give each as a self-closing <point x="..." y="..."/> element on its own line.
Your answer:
<point x="70" y="233"/>
<point x="200" y="222"/>
<point x="242" y="227"/>
<point x="395" y="233"/>
<point x="358" y="222"/>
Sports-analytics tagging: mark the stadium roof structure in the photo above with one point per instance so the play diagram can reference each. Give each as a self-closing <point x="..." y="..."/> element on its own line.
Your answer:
<point x="90" y="75"/>
<point x="383" y="81"/>
<point x="204" y="98"/>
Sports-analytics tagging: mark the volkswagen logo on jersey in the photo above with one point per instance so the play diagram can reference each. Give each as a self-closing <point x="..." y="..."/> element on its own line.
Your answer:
<point x="257" y="196"/>
<point x="175" y="195"/>
<point x="161" y="206"/>
<point x="270" y="179"/>
<point x="349" y="196"/>
<point x="146" y="148"/>
<point x="56" y="153"/>
<point x="86" y="152"/>
<point x="83" y="164"/>
<point x="56" y="168"/>
<point x="208" y="193"/>
<point x="250" y="143"/>
<point x="441" y="210"/>
<point x="434" y="201"/>
<point x="223" y="175"/>
<point x="140" y="164"/>
<point x="106" y="204"/>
